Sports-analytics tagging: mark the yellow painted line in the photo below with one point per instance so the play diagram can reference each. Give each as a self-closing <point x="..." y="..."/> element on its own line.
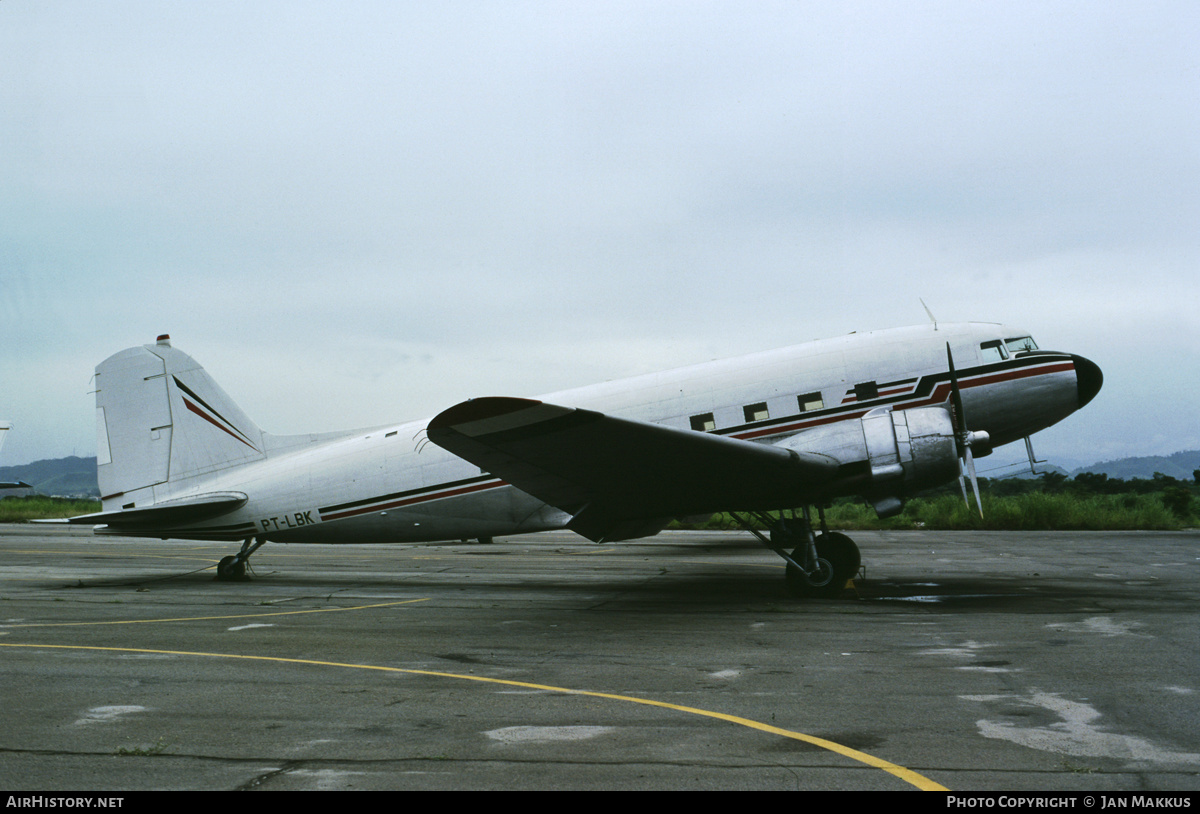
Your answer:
<point x="209" y="618"/>
<point x="907" y="775"/>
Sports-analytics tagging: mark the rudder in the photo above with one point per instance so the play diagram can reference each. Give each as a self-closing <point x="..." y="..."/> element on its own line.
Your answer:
<point x="161" y="422"/>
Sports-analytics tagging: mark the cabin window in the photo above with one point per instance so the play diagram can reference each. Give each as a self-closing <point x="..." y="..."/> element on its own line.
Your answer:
<point x="1022" y="344"/>
<point x="866" y="391"/>
<point x="994" y="351"/>
<point x="704" y="422"/>
<point x="756" y="412"/>
<point x="810" y="402"/>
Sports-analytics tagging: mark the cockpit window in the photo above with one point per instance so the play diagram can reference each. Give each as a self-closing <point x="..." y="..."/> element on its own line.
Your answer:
<point x="1022" y="344"/>
<point x="994" y="351"/>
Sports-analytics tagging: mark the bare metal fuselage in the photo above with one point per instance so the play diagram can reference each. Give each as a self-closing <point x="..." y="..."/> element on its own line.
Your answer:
<point x="390" y="484"/>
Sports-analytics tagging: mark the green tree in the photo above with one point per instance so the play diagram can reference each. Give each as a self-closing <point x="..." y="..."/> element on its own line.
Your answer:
<point x="1179" y="500"/>
<point x="1053" y="482"/>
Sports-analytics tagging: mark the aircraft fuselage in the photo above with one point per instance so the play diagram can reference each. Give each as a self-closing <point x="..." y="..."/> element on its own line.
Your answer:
<point x="390" y="484"/>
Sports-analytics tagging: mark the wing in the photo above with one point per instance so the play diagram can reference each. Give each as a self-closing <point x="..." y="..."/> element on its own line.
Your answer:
<point x="617" y="477"/>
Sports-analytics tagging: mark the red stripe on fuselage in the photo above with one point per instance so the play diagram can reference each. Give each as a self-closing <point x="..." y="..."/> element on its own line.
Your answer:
<point x="409" y="501"/>
<point x="940" y="395"/>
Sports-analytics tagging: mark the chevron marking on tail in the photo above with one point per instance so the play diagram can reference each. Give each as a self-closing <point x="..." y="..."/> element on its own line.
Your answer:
<point x="201" y="408"/>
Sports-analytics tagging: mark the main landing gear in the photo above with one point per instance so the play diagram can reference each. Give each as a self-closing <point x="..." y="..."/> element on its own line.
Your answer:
<point x="233" y="569"/>
<point x="818" y="565"/>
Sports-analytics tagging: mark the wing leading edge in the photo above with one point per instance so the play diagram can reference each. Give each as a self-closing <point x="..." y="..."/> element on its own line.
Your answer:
<point x="617" y="477"/>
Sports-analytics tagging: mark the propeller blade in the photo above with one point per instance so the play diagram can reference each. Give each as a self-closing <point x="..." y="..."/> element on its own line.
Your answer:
<point x="963" y="438"/>
<point x="960" y="422"/>
<point x="974" y="480"/>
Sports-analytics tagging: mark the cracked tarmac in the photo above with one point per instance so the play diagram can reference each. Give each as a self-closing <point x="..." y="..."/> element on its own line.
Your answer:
<point x="970" y="660"/>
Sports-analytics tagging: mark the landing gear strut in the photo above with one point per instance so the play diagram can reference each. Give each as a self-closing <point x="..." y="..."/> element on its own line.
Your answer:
<point x="818" y="565"/>
<point x="231" y="569"/>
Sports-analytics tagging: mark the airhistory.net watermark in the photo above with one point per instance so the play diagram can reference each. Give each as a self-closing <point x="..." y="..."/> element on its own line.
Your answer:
<point x="50" y="801"/>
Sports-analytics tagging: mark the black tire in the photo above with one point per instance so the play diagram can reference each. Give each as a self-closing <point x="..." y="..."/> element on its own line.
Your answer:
<point x="843" y="558"/>
<point x="842" y="552"/>
<point x="823" y="583"/>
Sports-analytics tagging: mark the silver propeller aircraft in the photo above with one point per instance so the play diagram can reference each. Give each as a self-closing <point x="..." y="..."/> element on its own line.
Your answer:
<point x="881" y="415"/>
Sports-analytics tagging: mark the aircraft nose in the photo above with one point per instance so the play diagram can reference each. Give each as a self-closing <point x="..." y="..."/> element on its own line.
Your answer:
<point x="1088" y="379"/>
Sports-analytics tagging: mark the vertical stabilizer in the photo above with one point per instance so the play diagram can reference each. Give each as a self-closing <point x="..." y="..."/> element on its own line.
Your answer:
<point x="161" y="422"/>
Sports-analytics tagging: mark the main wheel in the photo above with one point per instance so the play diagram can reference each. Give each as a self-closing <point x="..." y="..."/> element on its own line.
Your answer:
<point x="842" y="552"/>
<point x="821" y="583"/>
<point x="839" y="559"/>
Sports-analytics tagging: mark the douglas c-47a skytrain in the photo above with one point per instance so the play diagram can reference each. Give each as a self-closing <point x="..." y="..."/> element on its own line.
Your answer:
<point x="881" y="415"/>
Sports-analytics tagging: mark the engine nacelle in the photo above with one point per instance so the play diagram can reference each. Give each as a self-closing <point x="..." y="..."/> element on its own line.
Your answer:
<point x="905" y="451"/>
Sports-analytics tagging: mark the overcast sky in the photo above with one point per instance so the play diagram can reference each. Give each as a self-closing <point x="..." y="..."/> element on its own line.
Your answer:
<point x="358" y="212"/>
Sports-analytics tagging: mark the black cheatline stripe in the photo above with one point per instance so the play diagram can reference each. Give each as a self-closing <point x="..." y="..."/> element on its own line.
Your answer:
<point x="408" y="493"/>
<point x="924" y="388"/>
<point x="896" y="383"/>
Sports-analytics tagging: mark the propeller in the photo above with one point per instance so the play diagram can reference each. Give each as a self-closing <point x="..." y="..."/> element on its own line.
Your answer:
<point x="965" y="439"/>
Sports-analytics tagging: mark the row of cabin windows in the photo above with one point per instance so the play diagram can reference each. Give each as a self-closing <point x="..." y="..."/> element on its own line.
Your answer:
<point x="705" y="422"/>
<point x="994" y="351"/>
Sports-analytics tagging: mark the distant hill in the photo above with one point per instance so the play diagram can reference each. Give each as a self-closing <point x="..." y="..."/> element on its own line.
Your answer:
<point x="1042" y="468"/>
<point x="1181" y="465"/>
<point x="63" y="477"/>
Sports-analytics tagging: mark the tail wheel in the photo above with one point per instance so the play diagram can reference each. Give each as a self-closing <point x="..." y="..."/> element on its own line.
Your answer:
<point x="231" y="568"/>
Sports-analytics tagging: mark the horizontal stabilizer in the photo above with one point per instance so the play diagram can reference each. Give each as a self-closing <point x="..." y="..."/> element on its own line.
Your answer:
<point x="612" y="472"/>
<point x="172" y="512"/>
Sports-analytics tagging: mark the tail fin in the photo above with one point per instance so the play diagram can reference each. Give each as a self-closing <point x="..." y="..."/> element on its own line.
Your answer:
<point x="161" y="421"/>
